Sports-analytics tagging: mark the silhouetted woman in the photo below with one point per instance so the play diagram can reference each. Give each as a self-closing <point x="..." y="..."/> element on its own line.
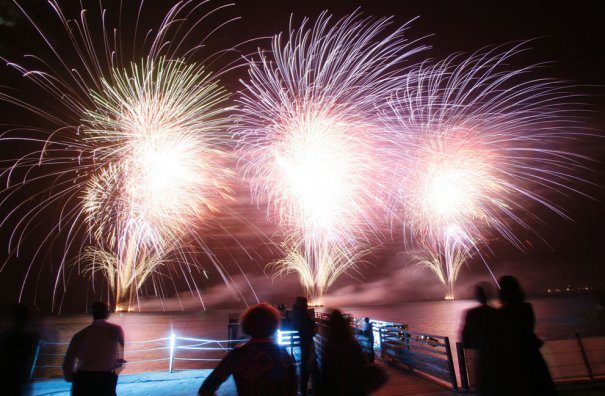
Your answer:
<point x="17" y="348"/>
<point x="342" y="359"/>
<point x="260" y="366"/>
<point x="519" y="321"/>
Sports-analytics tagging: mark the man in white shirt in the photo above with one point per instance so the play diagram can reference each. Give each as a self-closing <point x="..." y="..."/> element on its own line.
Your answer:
<point x="94" y="354"/>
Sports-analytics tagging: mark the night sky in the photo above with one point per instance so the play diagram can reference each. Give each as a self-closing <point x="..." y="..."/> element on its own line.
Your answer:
<point x="569" y="36"/>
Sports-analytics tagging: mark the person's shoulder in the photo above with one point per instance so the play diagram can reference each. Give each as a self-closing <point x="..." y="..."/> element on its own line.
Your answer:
<point x="115" y="326"/>
<point x="253" y="347"/>
<point x="108" y="325"/>
<point x="83" y="331"/>
<point x="528" y="307"/>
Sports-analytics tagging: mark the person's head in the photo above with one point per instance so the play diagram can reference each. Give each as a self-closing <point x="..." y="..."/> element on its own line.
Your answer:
<point x="366" y="320"/>
<point x="510" y="290"/>
<point x="482" y="292"/>
<point x="100" y="310"/>
<point x="19" y="314"/>
<point x="300" y="303"/>
<point x="338" y="326"/>
<point x="260" y="321"/>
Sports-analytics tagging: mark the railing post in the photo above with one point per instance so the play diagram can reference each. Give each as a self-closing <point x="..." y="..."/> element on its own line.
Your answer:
<point x="584" y="356"/>
<point x="35" y="360"/>
<point x="462" y="366"/>
<point x="172" y="345"/>
<point x="380" y="341"/>
<point x="450" y="364"/>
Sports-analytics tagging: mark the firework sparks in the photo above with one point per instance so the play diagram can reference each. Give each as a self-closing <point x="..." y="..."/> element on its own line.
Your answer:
<point x="473" y="145"/>
<point x="140" y="156"/>
<point x="317" y="267"/>
<point x="158" y="125"/>
<point x="304" y="136"/>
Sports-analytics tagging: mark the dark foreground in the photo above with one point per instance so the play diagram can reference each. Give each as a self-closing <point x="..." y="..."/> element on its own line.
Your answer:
<point x="401" y="383"/>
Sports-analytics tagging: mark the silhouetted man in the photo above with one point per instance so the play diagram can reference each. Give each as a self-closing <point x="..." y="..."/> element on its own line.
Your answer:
<point x="305" y="325"/>
<point x="17" y="349"/>
<point x="368" y="332"/>
<point x="478" y="335"/>
<point x="94" y="354"/>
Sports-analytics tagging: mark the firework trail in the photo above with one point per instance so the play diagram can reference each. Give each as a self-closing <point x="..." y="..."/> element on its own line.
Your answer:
<point x="474" y="146"/>
<point x="303" y="130"/>
<point x="445" y="257"/>
<point x="327" y="263"/>
<point x="137" y="156"/>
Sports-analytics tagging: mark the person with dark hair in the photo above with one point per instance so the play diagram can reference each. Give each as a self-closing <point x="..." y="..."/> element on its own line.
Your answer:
<point x="344" y="368"/>
<point x="260" y="366"/>
<point x="530" y="373"/>
<point x="94" y="354"/>
<point x="478" y="338"/>
<point x="305" y="325"/>
<point x="17" y="349"/>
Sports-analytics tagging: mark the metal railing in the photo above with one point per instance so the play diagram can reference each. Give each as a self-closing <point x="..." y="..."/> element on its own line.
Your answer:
<point x="568" y="360"/>
<point x="161" y="354"/>
<point x="429" y="355"/>
<point x="156" y="355"/>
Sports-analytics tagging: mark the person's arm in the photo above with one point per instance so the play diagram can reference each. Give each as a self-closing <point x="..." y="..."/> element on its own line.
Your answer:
<point x="120" y="351"/>
<point x="121" y="337"/>
<point x="69" y="364"/>
<point x="527" y="320"/>
<point x="217" y="376"/>
<point x="467" y="332"/>
<point x="531" y="318"/>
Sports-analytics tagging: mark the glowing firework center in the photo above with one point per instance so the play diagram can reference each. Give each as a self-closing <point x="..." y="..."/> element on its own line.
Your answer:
<point x="157" y="123"/>
<point x="316" y="163"/>
<point x="451" y="189"/>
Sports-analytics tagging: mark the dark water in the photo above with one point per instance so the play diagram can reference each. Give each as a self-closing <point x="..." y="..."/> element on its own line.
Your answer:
<point x="559" y="317"/>
<point x="556" y="317"/>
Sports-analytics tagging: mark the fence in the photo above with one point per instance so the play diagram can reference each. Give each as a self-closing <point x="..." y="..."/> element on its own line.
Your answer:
<point x="161" y="354"/>
<point x="176" y="353"/>
<point x="568" y="360"/>
<point x="428" y="355"/>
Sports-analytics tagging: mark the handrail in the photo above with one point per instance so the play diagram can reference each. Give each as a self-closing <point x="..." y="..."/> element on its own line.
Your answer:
<point x="425" y="353"/>
<point x="170" y="344"/>
<point x="393" y="343"/>
<point x="568" y="359"/>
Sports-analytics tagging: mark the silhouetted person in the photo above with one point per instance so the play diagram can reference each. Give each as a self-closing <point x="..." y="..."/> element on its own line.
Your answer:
<point x="368" y="332"/>
<point x="344" y="367"/>
<point x="305" y="325"/>
<point x="518" y="320"/>
<point x="478" y="337"/>
<point x="17" y="349"/>
<point x="93" y="356"/>
<point x="260" y="366"/>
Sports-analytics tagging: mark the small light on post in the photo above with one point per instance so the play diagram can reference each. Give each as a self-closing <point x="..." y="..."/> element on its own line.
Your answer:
<point x="172" y="346"/>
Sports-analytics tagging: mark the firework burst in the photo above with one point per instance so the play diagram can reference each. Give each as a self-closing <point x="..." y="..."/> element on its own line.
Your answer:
<point x="474" y="146"/>
<point x="138" y="157"/>
<point x="317" y="267"/>
<point x="304" y="132"/>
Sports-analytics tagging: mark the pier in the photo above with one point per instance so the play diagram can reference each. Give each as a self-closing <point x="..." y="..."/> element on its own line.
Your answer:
<point x="417" y="364"/>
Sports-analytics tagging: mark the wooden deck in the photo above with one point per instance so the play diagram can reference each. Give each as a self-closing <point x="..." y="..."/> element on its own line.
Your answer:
<point x="405" y="383"/>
